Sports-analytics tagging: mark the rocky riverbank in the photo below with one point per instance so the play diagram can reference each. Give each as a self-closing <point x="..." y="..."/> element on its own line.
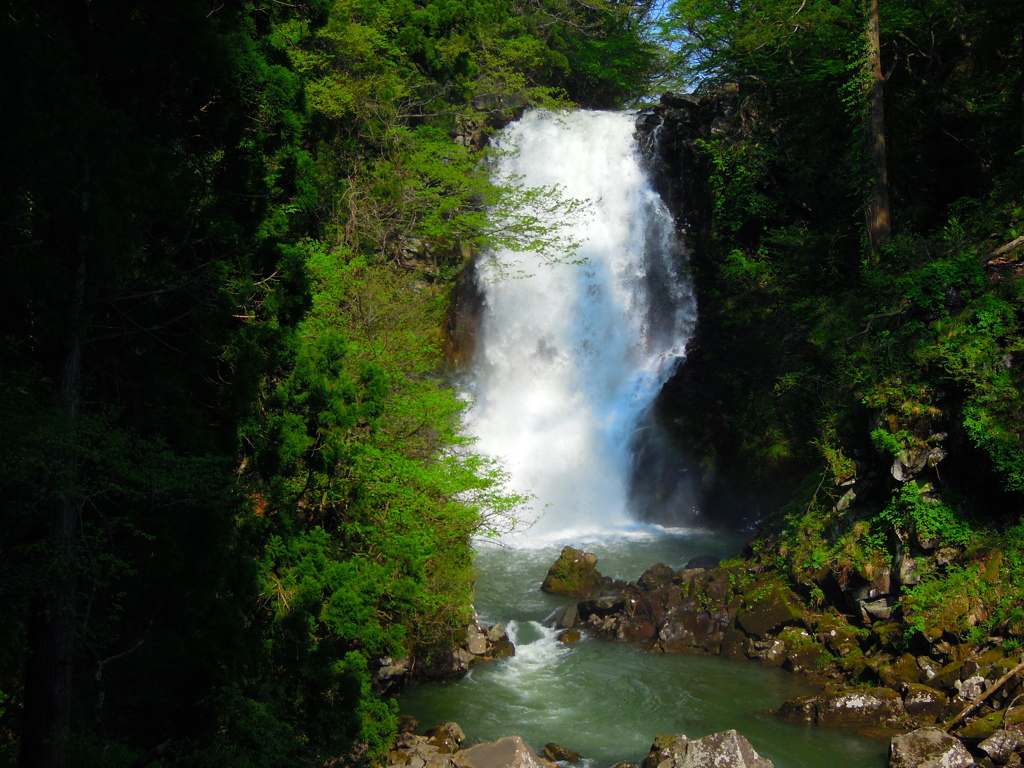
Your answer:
<point x="442" y="747"/>
<point x="964" y="701"/>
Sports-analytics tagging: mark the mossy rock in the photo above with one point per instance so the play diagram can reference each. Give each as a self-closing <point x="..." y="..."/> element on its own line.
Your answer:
<point x="886" y="634"/>
<point x="837" y="635"/>
<point x="767" y="608"/>
<point x="1014" y="716"/>
<point x="946" y="677"/>
<point x="924" y="704"/>
<point x="902" y="669"/>
<point x="980" y="728"/>
<point x="574" y="573"/>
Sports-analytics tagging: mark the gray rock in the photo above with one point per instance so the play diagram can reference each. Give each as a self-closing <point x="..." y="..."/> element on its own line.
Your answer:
<point x="971" y="688"/>
<point x="928" y="748"/>
<point x="853" y="707"/>
<point x="509" y="752"/>
<point x="1002" y="745"/>
<point x="476" y="641"/>
<point x="875" y="705"/>
<point x="727" y="749"/>
<point x="568" y="617"/>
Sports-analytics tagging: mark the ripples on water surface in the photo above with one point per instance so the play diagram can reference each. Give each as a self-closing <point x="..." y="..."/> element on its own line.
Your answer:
<point x="608" y="701"/>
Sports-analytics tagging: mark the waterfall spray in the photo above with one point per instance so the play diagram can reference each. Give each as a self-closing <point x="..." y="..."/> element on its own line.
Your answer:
<point x="570" y="358"/>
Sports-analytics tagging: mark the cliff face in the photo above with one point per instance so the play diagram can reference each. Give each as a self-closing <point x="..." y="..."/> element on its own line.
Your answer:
<point x="695" y="411"/>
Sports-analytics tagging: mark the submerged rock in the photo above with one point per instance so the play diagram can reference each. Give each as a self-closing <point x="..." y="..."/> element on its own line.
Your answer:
<point x="560" y="754"/>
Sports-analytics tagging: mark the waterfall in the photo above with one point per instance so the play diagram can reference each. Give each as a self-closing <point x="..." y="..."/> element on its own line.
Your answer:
<point x="570" y="358"/>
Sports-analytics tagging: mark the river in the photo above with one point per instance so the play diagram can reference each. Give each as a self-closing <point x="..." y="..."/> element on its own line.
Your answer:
<point x="568" y="361"/>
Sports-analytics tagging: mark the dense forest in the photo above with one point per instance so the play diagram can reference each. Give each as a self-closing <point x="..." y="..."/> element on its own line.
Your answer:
<point x="859" y="228"/>
<point x="234" y="479"/>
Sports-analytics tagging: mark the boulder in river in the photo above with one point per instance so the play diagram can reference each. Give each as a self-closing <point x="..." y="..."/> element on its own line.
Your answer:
<point x="928" y="748"/>
<point x="574" y="573"/>
<point x="560" y="754"/>
<point x="509" y="752"/>
<point x="872" y="706"/>
<point x="727" y="749"/>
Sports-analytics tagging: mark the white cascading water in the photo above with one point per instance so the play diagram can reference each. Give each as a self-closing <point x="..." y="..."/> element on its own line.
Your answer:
<point x="567" y="363"/>
<point x="570" y="358"/>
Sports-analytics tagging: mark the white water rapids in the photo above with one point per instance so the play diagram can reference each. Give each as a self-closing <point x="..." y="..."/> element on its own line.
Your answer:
<point x="567" y="365"/>
<point x="570" y="358"/>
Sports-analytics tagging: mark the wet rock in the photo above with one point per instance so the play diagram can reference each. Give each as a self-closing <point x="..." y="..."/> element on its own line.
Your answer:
<point x="803" y="709"/>
<point x="445" y="737"/>
<point x="635" y="630"/>
<point x="602" y="607"/>
<point x="569" y="636"/>
<point x="559" y="754"/>
<point x="928" y="748"/>
<point x="656" y="577"/>
<point x="574" y="573"/>
<point x="734" y="644"/>
<point x="693" y="630"/>
<point x="728" y="749"/>
<point x="563" y="618"/>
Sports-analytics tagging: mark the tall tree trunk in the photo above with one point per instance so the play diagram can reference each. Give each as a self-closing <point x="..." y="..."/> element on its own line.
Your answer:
<point x="47" y="715"/>
<point x="879" y="227"/>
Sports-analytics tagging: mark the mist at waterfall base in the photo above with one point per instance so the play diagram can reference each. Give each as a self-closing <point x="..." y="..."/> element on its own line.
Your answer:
<point x="567" y="364"/>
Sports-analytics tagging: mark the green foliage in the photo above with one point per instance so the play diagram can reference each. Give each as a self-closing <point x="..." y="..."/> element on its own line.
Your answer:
<point x="365" y="496"/>
<point x="912" y="513"/>
<point x="886" y="443"/>
<point x="268" y="488"/>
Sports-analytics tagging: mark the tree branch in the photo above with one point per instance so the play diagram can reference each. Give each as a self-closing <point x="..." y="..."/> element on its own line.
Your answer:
<point x="1003" y="250"/>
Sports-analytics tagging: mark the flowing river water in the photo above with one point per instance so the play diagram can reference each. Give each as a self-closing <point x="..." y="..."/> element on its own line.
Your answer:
<point x="568" y="362"/>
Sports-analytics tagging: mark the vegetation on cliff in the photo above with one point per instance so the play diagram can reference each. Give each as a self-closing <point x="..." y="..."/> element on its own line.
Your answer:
<point x="874" y="381"/>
